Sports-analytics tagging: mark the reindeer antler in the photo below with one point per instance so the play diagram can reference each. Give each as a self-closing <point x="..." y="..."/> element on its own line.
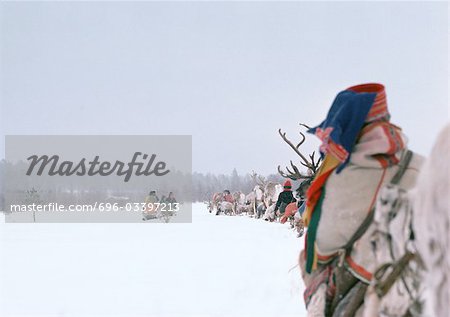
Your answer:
<point x="262" y="181"/>
<point x="304" y="125"/>
<point x="310" y="163"/>
<point x="258" y="179"/>
<point x="295" y="175"/>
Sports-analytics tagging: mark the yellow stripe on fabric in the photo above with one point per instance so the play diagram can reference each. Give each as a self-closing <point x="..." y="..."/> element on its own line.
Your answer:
<point x="329" y="164"/>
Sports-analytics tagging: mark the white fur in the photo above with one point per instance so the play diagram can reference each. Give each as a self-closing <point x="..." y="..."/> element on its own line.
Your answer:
<point x="432" y="224"/>
<point x="393" y="215"/>
<point x="270" y="213"/>
<point x="316" y="307"/>
<point x="429" y="205"/>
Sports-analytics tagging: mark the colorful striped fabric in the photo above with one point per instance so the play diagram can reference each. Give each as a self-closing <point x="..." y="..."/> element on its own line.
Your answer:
<point x="350" y="111"/>
<point x="357" y="125"/>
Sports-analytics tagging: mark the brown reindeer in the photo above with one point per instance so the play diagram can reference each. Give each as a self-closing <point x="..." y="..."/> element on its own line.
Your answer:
<point x="213" y="204"/>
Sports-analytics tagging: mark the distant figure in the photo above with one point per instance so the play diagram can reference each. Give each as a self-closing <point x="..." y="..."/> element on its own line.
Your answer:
<point x="151" y="198"/>
<point x="227" y="196"/>
<point x="149" y="210"/>
<point x="169" y="199"/>
<point x="284" y="198"/>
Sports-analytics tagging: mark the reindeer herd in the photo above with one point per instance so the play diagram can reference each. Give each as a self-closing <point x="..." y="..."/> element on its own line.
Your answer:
<point x="259" y="203"/>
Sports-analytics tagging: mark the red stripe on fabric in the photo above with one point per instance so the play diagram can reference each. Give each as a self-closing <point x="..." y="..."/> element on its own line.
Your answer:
<point x="358" y="269"/>
<point x="382" y="160"/>
<point x="392" y="133"/>
<point x="377" y="112"/>
<point x="395" y="141"/>
<point x="379" y="105"/>
<point x="337" y="151"/>
<point x="380" y="99"/>
<point x="314" y="191"/>
<point x="370" y="88"/>
<point x="377" y="109"/>
<point x="326" y="258"/>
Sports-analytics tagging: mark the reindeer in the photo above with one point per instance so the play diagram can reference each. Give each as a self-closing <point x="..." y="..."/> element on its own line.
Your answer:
<point x="259" y="205"/>
<point x="395" y="289"/>
<point x="431" y="224"/>
<point x="241" y="205"/>
<point x="250" y="202"/>
<point x="271" y="192"/>
<point x="411" y="243"/>
<point x="265" y="194"/>
<point x="226" y="208"/>
<point x="294" y="173"/>
<point x="213" y="204"/>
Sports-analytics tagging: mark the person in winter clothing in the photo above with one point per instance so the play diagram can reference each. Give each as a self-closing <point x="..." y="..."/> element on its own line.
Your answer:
<point x="289" y="211"/>
<point x="284" y="198"/>
<point x="167" y="211"/>
<point x="169" y="199"/>
<point x="361" y="151"/>
<point x="149" y="209"/>
<point x="294" y="211"/>
<point x="227" y="196"/>
<point x="151" y="198"/>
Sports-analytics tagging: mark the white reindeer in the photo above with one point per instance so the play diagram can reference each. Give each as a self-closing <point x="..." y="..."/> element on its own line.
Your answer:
<point x="226" y="208"/>
<point x="271" y="192"/>
<point x="260" y="202"/>
<point x="240" y="203"/>
<point x="431" y="223"/>
<point x="395" y="290"/>
<point x="412" y="243"/>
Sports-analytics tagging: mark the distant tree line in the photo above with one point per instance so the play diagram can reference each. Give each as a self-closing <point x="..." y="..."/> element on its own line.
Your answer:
<point x="16" y="186"/>
<point x="205" y="185"/>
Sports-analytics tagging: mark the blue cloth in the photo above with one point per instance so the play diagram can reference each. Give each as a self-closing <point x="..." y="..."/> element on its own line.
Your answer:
<point x="345" y="119"/>
<point x="301" y="209"/>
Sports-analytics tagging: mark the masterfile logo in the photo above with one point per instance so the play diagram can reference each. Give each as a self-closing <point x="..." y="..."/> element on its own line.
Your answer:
<point x="95" y="167"/>
<point x="98" y="178"/>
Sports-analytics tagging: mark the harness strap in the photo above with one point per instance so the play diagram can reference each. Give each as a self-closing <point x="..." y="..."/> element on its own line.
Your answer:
<point x="382" y="287"/>
<point x="402" y="167"/>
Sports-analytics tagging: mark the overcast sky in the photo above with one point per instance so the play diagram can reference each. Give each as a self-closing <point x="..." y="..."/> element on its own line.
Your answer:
<point x="229" y="74"/>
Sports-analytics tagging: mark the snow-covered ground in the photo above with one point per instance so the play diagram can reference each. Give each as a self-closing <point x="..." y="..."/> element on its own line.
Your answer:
<point x="215" y="266"/>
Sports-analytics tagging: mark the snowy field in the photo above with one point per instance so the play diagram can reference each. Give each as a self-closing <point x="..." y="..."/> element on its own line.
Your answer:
<point x="216" y="266"/>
